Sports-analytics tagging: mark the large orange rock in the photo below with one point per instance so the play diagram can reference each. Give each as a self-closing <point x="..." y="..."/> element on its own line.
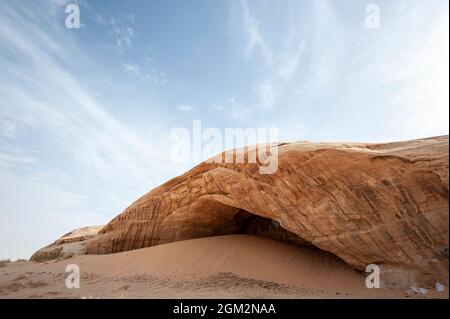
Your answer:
<point x="384" y="204"/>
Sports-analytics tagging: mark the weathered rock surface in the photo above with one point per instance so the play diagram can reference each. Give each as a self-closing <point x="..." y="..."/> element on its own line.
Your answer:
<point x="384" y="204"/>
<point x="70" y="244"/>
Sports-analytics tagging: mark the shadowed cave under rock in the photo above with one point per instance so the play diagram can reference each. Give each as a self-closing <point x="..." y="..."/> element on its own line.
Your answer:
<point x="250" y="224"/>
<point x="207" y="217"/>
<point x="228" y="220"/>
<point x="212" y="217"/>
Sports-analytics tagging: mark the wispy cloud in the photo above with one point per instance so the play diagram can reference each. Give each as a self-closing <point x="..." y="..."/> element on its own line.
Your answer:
<point x="318" y="56"/>
<point x="69" y="122"/>
<point x="156" y="76"/>
<point x="423" y="101"/>
<point x="123" y="36"/>
<point x="279" y="62"/>
<point x="146" y="68"/>
<point x="99" y="18"/>
<point x="255" y="40"/>
<point x="83" y="114"/>
<point x="184" y="108"/>
<point x="232" y="108"/>
<point x="8" y="161"/>
<point x="216" y="106"/>
<point x="151" y="72"/>
<point x="8" y="129"/>
<point x="120" y="26"/>
<point x="131" y="68"/>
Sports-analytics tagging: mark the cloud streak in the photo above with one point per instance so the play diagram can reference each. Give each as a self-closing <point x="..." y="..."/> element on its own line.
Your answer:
<point x="317" y="58"/>
<point x="67" y="121"/>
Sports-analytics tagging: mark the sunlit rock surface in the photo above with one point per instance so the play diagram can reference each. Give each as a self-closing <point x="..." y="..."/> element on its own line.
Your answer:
<point x="384" y="204"/>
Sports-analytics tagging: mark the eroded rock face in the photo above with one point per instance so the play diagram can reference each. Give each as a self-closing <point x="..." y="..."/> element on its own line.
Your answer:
<point x="385" y="204"/>
<point x="70" y="244"/>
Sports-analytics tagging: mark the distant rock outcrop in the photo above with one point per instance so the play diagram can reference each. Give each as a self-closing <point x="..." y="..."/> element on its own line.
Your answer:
<point x="70" y="244"/>
<point x="384" y="204"/>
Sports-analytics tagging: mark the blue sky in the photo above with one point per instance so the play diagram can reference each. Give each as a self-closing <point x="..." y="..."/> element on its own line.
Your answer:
<point x="86" y="114"/>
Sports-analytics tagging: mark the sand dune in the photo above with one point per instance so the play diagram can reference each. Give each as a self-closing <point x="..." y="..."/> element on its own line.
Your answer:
<point x="384" y="204"/>
<point x="239" y="266"/>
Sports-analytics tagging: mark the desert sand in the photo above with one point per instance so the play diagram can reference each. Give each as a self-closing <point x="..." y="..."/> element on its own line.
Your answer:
<point x="384" y="204"/>
<point x="230" y="266"/>
<point x="307" y="230"/>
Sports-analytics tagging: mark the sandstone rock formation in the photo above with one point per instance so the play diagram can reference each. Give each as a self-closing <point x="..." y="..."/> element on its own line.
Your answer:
<point x="384" y="204"/>
<point x="70" y="244"/>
